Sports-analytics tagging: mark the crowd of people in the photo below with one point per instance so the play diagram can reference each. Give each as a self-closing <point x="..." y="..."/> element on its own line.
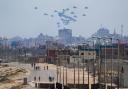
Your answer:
<point x="33" y="65"/>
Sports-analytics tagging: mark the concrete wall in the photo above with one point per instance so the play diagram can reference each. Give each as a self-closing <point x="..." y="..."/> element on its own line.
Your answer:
<point x="75" y="59"/>
<point x="125" y="74"/>
<point x="87" y="54"/>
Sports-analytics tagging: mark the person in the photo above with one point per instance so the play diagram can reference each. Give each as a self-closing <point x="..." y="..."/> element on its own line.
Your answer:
<point x="39" y="78"/>
<point x="47" y="67"/>
<point x="34" y="64"/>
<point x="50" y="78"/>
<point x="31" y="64"/>
<point x="36" y="67"/>
<point x="35" y="78"/>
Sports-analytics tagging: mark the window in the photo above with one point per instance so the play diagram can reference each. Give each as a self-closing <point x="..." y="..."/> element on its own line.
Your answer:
<point x="115" y="53"/>
<point x="89" y="53"/>
<point x="82" y="53"/>
<point x="127" y="53"/>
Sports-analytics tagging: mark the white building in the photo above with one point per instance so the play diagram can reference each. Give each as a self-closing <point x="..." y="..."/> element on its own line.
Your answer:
<point x="87" y="54"/>
<point x="75" y="59"/>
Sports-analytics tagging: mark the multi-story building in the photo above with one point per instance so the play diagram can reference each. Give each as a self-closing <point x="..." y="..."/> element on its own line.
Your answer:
<point x="115" y="57"/>
<point x="87" y="53"/>
<point x="65" y="35"/>
<point x="112" y="51"/>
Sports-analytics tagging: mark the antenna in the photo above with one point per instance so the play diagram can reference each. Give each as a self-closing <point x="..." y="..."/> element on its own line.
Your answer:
<point x="114" y="33"/>
<point x="101" y="25"/>
<point x="122" y="32"/>
<point x="122" y="27"/>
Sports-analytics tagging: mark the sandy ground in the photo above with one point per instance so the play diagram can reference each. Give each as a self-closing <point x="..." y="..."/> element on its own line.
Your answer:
<point x="70" y="74"/>
<point x="14" y="76"/>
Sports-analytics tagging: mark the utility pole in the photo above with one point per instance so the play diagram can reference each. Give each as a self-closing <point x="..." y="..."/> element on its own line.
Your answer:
<point x="57" y="68"/>
<point x="88" y="64"/>
<point x="74" y="74"/>
<point x="99" y="63"/>
<point x="88" y="74"/>
<point x="83" y="63"/>
<point x="105" y="63"/>
<point x="93" y="61"/>
<point x="118" y="85"/>
<point x="111" y="62"/>
<point x="63" y="75"/>
<point x="60" y="74"/>
<point x="78" y="75"/>
<point x="66" y="67"/>
<point x="60" y="70"/>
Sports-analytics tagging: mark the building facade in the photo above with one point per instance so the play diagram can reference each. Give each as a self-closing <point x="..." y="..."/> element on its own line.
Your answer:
<point x="65" y="35"/>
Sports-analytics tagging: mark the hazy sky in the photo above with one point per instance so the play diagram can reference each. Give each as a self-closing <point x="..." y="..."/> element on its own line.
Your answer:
<point x="19" y="18"/>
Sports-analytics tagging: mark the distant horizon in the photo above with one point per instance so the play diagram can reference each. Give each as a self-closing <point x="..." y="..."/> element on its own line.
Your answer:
<point x="57" y="34"/>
